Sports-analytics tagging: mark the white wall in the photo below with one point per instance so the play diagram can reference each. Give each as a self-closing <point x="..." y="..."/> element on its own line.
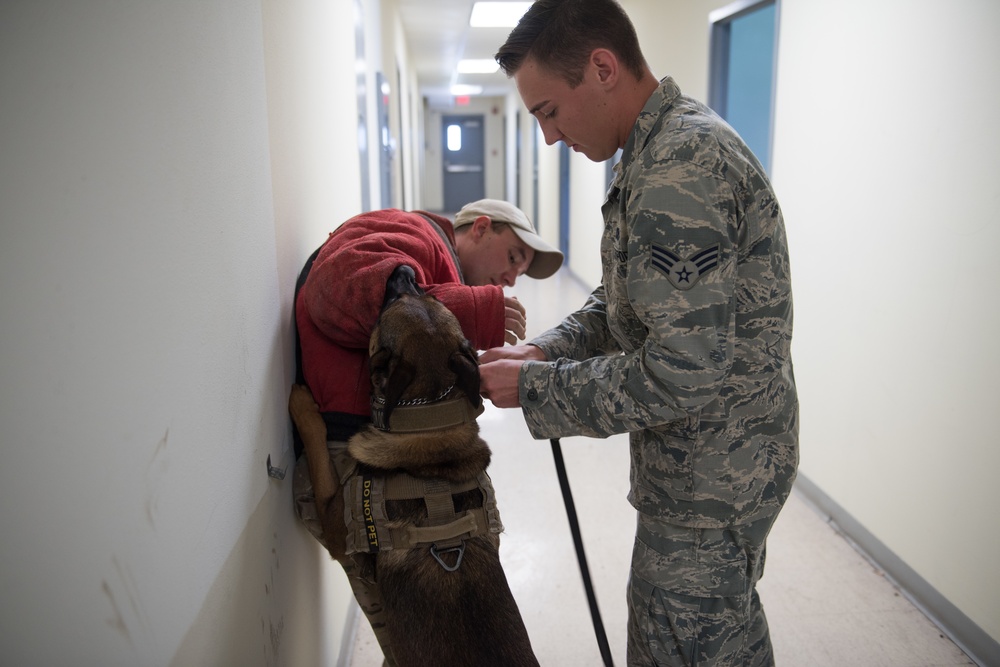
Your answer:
<point x="526" y="127"/>
<point x="886" y="161"/>
<point x="152" y="226"/>
<point x="371" y="20"/>
<point x="886" y="158"/>
<point x="404" y="109"/>
<point x="588" y="188"/>
<point x="548" y="189"/>
<point x="165" y="169"/>
<point x="511" y="107"/>
<point x="674" y="38"/>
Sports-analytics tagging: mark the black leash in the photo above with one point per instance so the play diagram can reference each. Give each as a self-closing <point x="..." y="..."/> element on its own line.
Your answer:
<point x="574" y="526"/>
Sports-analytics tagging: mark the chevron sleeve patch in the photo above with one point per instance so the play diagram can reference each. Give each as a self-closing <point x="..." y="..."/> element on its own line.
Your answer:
<point x="684" y="273"/>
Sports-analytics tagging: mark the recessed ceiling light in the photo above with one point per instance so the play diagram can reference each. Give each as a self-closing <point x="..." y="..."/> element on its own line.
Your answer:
<point x="459" y="90"/>
<point x="478" y="66"/>
<point x="497" y="14"/>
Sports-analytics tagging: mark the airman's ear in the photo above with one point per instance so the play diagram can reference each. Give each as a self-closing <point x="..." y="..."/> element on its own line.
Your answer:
<point x="605" y="66"/>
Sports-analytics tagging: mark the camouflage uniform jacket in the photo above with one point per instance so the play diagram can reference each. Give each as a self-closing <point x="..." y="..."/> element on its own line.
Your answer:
<point x="686" y="343"/>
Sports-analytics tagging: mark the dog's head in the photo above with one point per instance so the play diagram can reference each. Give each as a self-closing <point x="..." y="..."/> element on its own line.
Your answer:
<point x="417" y="349"/>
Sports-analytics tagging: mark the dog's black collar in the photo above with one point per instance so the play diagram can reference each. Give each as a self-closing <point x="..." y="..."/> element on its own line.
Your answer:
<point x="420" y="415"/>
<point x="416" y="401"/>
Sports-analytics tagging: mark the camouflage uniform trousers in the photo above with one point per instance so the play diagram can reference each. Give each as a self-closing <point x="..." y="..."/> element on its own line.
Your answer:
<point x="365" y="589"/>
<point x="692" y="597"/>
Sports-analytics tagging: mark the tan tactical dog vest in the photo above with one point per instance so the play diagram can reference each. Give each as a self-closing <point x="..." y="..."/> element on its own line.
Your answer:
<point x="366" y="518"/>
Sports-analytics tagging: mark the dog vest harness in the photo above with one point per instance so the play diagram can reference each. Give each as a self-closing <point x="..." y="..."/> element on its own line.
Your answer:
<point x="446" y="531"/>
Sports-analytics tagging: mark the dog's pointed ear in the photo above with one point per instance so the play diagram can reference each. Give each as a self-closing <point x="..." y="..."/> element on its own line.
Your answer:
<point x="400" y="377"/>
<point x="465" y="365"/>
<point x="378" y="366"/>
<point x="403" y="280"/>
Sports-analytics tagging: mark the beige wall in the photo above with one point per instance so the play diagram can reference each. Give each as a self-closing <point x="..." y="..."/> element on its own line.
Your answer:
<point x="886" y="164"/>
<point x="405" y="105"/>
<point x="674" y="38"/>
<point x="165" y="170"/>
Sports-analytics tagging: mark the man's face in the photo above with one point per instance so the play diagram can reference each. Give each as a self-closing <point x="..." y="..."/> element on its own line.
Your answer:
<point x="491" y="257"/>
<point x="580" y="117"/>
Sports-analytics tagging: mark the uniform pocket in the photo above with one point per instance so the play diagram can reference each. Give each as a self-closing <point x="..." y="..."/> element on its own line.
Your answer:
<point x="695" y="562"/>
<point x="668" y="460"/>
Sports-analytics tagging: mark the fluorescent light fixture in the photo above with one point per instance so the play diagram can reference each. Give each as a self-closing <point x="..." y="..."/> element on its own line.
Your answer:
<point x="480" y="66"/>
<point x="460" y="90"/>
<point x="497" y="14"/>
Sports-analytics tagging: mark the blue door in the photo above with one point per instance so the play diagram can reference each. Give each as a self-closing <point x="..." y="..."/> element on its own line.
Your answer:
<point x="464" y="156"/>
<point x="741" y="86"/>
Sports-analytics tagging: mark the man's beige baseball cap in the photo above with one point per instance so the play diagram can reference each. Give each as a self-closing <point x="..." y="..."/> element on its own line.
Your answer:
<point x="547" y="259"/>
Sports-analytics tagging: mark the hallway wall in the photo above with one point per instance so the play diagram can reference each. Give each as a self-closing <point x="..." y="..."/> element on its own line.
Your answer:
<point x="164" y="171"/>
<point x="886" y="158"/>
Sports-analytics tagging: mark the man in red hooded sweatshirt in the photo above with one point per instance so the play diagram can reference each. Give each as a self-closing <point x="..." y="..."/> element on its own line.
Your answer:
<point x="465" y="265"/>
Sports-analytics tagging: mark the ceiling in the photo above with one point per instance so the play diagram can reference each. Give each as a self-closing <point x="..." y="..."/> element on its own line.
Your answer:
<point x="439" y="35"/>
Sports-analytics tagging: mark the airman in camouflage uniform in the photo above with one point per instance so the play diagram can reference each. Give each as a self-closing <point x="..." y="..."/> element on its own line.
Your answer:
<point x="685" y="345"/>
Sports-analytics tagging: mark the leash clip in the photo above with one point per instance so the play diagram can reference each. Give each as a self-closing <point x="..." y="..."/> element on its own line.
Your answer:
<point x="460" y="550"/>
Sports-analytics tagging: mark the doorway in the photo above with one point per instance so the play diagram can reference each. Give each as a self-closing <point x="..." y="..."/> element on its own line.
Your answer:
<point x="742" y="71"/>
<point x="464" y="157"/>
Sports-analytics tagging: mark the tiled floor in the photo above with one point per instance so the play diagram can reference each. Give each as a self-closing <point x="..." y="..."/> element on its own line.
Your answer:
<point x="826" y="605"/>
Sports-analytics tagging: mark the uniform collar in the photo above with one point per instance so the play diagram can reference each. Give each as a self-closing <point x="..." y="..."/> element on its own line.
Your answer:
<point x="662" y="99"/>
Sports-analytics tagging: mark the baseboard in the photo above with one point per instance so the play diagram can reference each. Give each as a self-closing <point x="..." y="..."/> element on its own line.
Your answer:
<point x="350" y="634"/>
<point x="962" y="630"/>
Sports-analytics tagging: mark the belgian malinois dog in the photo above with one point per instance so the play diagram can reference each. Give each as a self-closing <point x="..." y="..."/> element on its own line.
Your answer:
<point x="445" y="605"/>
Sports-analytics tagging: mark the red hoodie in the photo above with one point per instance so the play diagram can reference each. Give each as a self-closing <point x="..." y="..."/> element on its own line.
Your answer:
<point x="339" y="303"/>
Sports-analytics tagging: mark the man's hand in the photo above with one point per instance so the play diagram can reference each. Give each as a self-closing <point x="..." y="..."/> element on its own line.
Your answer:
<point x="515" y="321"/>
<point x="498" y="381"/>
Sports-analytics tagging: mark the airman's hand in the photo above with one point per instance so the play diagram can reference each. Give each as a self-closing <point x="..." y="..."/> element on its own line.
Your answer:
<point x="498" y="381"/>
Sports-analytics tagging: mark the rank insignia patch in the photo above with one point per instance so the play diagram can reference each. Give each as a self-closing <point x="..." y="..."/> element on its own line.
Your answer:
<point x="684" y="273"/>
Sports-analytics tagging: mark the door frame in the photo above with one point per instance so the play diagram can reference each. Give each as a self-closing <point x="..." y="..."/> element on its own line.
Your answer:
<point x="719" y="44"/>
<point x="479" y="167"/>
